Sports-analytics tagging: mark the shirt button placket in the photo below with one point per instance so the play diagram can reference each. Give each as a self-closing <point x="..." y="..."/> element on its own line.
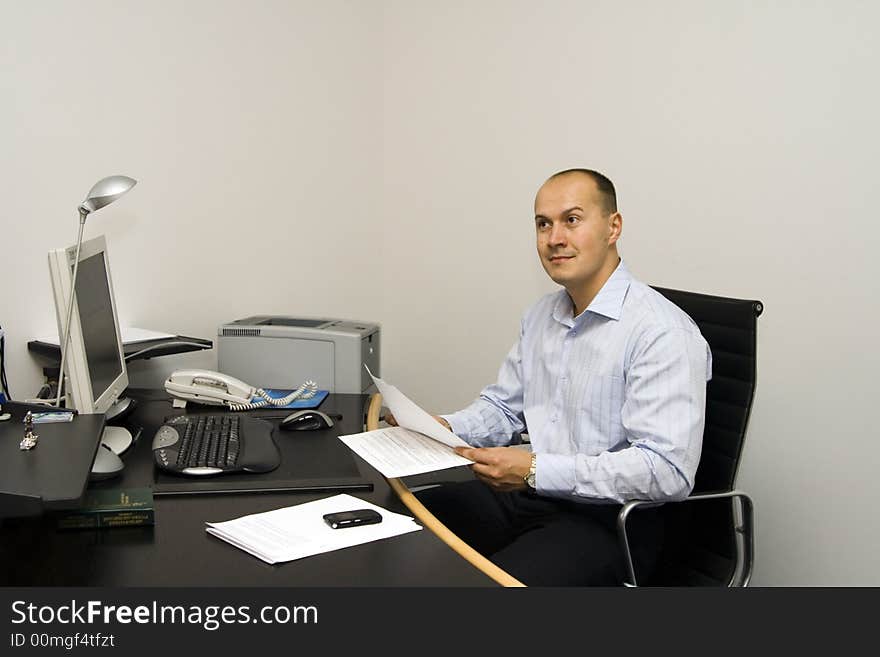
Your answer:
<point x="563" y="379"/>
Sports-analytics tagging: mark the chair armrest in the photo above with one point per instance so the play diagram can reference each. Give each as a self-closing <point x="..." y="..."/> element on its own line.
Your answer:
<point x="745" y="552"/>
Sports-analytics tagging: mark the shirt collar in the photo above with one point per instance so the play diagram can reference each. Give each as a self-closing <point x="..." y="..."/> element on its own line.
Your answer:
<point x="608" y="302"/>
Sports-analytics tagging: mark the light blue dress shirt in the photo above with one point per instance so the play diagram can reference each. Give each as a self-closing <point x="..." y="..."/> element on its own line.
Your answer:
<point x="613" y="400"/>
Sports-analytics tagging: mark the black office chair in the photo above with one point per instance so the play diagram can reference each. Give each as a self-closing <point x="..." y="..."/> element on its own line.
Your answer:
<point x="710" y="535"/>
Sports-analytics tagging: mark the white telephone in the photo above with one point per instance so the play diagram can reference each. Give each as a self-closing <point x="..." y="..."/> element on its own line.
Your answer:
<point x="207" y="387"/>
<point x="217" y="389"/>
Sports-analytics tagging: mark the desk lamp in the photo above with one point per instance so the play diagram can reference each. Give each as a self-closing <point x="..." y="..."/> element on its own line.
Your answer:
<point x="102" y="193"/>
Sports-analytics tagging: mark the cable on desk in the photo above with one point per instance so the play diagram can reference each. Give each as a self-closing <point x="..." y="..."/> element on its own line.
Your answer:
<point x="4" y="384"/>
<point x="332" y="416"/>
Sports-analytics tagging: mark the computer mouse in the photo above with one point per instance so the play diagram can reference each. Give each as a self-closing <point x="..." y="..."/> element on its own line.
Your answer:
<point x="306" y="420"/>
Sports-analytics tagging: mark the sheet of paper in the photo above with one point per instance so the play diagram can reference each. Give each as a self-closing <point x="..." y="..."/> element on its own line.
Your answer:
<point x="400" y="452"/>
<point x="409" y="415"/>
<point x="300" y="531"/>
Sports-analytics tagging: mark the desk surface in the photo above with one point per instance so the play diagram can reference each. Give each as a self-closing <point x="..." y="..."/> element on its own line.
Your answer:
<point x="55" y="471"/>
<point x="177" y="551"/>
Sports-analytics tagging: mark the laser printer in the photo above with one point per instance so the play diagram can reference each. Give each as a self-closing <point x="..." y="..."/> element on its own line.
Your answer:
<point x="272" y="351"/>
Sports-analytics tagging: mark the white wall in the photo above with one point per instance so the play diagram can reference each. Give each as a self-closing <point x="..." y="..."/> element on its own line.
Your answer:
<point x="741" y="137"/>
<point x="743" y="141"/>
<point x="252" y="129"/>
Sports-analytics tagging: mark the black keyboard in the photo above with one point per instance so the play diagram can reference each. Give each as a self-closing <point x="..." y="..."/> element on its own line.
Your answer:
<point x="201" y="445"/>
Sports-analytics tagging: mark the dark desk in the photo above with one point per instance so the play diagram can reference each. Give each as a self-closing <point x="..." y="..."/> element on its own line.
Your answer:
<point x="178" y="551"/>
<point x="53" y="474"/>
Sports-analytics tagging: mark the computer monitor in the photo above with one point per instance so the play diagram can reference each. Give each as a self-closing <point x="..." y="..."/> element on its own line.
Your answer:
<point x="95" y="371"/>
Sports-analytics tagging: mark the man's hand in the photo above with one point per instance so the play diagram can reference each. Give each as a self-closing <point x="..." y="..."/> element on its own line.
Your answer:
<point x="389" y="419"/>
<point x="502" y="468"/>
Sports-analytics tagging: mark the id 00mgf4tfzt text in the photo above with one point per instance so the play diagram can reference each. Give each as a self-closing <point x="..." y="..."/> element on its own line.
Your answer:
<point x="68" y="641"/>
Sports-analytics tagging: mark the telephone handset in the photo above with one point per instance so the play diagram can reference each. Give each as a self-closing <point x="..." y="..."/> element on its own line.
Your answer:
<point x="207" y="387"/>
<point x="218" y="389"/>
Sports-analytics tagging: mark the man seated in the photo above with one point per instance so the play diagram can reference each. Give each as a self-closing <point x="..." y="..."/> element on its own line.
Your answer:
<point x="608" y="378"/>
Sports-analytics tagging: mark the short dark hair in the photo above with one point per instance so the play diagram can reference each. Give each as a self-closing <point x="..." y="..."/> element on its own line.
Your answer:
<point x="606" y="187"/>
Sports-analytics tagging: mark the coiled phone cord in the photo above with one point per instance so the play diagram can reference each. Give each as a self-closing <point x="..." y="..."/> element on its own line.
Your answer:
<point x="306" y="391"/>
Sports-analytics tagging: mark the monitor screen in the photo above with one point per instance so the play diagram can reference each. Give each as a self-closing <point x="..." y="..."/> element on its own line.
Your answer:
<point x="97" y="322"/>
<point x="95" y="370"/>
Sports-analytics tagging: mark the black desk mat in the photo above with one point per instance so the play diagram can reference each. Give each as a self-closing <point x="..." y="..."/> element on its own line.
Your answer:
<point x="310" y="461"/>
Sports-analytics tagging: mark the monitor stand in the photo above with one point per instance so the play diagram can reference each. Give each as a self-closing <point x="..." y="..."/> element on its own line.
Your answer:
<point x="118" y="439"/>
<point x="107" y="464"/>
<point x="119" y="408"/>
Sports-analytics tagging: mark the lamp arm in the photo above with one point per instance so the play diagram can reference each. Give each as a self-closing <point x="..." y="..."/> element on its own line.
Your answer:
<point x="83" y="213"/>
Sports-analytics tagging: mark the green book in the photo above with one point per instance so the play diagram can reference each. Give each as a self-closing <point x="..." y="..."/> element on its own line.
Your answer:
<point x="110" y="507"/>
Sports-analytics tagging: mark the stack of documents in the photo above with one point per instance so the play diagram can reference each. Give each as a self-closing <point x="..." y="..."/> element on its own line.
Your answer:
<point x="419" y="444"/>
<point x="300" y="531"/>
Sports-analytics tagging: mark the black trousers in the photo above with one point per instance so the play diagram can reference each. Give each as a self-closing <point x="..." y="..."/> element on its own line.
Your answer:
<point x="543" y="541"/>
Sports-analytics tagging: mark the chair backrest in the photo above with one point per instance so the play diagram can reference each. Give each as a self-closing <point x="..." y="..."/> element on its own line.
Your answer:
<point x="730" y="328"/>
<point x="701" y="540"/>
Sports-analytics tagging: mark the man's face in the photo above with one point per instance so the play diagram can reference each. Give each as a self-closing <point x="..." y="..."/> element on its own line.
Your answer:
<point x="575" y="235"/>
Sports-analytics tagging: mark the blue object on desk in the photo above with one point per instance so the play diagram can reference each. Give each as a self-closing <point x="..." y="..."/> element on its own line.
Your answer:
<point x="51" y="416"/>
<point x="312" y="402"/>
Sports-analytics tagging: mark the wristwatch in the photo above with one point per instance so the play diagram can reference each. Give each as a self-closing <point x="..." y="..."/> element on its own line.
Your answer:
<point x="530" y="477"/>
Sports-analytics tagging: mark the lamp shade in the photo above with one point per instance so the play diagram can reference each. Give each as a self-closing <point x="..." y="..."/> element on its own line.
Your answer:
<point x="105" y="191"/>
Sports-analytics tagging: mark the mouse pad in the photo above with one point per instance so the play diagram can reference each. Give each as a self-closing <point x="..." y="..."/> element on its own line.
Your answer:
<point x="312" y="402"/>
<point x="310" y="461"/>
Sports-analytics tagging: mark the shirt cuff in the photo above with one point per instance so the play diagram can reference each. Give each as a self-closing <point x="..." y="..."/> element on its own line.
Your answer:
<point x="555" y="475"/>
<point x="457" y="425"/>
